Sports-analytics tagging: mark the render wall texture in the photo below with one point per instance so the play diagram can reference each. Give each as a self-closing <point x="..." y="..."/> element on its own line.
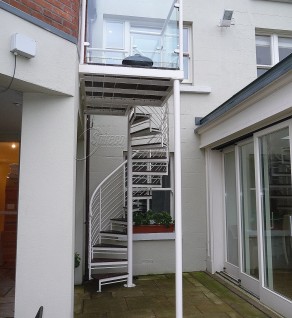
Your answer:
<point x="63" y="15"/>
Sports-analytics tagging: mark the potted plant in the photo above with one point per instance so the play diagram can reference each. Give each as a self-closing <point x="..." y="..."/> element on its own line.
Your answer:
<point x="152" y="222"/>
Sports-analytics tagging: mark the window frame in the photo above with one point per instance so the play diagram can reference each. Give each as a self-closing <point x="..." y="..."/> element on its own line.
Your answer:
<point x="189" y="79"/>
<point x="274" y="48"/>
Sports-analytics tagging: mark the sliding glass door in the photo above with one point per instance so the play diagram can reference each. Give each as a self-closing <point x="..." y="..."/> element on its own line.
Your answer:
<point x="231" y="220"/>
<point x="258" y="215"/>
<point x="249" y="266"/>
<point x="276" y="215"/>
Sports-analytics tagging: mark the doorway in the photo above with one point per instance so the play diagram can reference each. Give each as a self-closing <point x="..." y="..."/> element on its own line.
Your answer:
<point x="10" y="131"/>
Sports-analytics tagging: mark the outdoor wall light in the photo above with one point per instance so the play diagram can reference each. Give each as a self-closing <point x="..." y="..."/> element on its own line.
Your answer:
<point x="226" y="19"/>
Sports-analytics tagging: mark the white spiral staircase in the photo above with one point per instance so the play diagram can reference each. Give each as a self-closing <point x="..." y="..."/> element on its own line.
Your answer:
<point x="107" y="259"/>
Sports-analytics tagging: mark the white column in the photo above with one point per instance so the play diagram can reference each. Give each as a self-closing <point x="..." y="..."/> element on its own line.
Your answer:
<point x="130" y="209"/>
<point x="45" y="238"/>
<point x="177" y="193"/>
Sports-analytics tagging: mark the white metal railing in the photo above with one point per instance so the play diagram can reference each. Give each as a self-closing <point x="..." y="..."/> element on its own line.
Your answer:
<point x="158" y="121"/>
<point x="107" y="201"/>
<point x="169" y="33"/>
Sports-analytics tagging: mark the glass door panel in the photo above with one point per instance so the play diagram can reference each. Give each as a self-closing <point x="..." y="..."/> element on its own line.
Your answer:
<point x="248" y="211"/>
<point x="276" y="199"/>
<point x="231" y="209"/>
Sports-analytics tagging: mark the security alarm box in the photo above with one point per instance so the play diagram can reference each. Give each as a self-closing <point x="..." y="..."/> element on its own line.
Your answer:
<point x="23" y="45"/>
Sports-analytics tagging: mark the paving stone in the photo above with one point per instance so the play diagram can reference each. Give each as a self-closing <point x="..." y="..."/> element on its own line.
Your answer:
<point x="146" y="313"/>
<point x="154" y="297"/>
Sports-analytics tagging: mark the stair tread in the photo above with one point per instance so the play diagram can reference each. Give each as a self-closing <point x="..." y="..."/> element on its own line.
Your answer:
<point x="113" y="232"/>
<point x="107" y="275"/>
<point x="149" y="145"/>
<point x="145" y="132"/>
<point x="119" y="219"/>
<point x="107" y="260"/>
<point x="139" y="118"/>
<point x="110" y="245"/>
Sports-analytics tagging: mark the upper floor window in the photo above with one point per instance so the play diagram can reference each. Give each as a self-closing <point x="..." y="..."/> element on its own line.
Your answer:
<point x="271" y="49"/>
<point x="187" y="53"/>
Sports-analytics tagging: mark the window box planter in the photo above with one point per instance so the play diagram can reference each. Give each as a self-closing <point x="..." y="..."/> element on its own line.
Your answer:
<point x="153" y="228"/>
<point x="152" y="222"/>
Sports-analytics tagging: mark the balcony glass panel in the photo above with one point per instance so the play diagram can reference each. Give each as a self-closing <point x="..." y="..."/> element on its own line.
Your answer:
<point x="119" y="29"/>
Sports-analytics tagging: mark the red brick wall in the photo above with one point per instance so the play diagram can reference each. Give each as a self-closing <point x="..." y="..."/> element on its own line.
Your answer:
<point x="63" y="15"/>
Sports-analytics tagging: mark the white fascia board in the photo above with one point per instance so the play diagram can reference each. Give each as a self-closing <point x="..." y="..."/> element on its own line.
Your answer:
<point x="130" y="71"/>
<point x="264" y="108"/>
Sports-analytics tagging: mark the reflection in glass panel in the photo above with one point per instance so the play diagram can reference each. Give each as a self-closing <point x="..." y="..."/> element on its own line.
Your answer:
<point x="248" y="211"/>
<point x="230" y="208"/>
<point x="285" y="47"/>
<point x="261" y="71"/>
<point x="114" y="35"/>
<point x="150" y="28"/>
<point x="263" y="50"/>
<point x="277" y="211"/>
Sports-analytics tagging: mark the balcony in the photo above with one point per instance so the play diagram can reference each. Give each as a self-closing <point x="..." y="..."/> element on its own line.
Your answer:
<point x="117" y="29"/>
<point x="129" y="53"/>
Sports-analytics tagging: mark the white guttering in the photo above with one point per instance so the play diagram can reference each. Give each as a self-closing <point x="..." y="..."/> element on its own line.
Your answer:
<point x="177" y="191"/>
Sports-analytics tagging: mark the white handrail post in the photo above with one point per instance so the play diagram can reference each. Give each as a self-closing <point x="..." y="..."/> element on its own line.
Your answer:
<point x="82" y="31"/>
<point x="177" y="193"/>
<point x="130" y="208"/>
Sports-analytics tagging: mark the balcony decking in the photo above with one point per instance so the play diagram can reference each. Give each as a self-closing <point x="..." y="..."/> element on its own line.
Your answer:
<point x="114" y="94"/>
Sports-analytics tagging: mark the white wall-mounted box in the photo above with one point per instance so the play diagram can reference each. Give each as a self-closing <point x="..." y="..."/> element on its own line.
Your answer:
<point x="23" y="45"/>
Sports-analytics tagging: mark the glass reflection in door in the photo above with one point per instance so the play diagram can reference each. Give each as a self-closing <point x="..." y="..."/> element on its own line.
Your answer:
<point x="248" y="211"/>
<point x="276" y="198"/>
<point x="231" y="208"/>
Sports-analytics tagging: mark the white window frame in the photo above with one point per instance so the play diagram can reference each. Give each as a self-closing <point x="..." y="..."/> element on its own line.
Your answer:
<point x="188" y="54"/>
<point x="274" y="42"/>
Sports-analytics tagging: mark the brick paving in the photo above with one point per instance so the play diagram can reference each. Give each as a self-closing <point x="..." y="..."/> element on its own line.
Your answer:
<point x="154" y="297"/>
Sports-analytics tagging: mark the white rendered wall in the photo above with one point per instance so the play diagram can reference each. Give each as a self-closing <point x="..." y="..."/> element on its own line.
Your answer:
<point x="45" y="244"/>
<point x="108" y="143"/>
<point x="48" y="71"/>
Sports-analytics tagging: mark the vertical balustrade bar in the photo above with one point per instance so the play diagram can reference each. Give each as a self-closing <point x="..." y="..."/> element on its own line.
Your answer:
<point x="82" y="31"/>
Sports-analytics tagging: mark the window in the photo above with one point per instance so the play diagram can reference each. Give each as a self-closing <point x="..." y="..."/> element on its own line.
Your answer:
<point x="271" y="49"/>
<point x="187" y="53"/>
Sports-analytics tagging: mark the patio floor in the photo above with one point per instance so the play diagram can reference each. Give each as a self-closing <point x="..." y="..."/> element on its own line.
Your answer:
<point x="154" y="296"/>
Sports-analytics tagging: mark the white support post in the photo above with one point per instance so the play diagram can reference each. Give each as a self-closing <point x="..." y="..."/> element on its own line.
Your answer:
<point x="177" y="193"/>
<point x="130" y="208"/>
<point x="82" y="31"/>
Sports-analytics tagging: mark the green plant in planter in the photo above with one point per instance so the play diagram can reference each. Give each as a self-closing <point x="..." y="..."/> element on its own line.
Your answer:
<point x="142" y="218"/>
<point x="77" y="259"/>
<point x="163" y="218"/>
<point x="150" y="217"/>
